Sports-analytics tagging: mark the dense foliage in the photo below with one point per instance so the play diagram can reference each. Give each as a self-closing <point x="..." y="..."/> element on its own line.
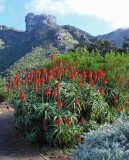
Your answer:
<point x="33" y="59"/>
<point x="3" y="92"/>
<point x="71" y="94"/>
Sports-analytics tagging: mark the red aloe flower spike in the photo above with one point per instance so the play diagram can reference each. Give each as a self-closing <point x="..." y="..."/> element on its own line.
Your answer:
<point x="49" y="76"/>
<point x="52" y="57"/>
<point x="71" y="67"/>
<point x="58" y="120"/>
<point x="42" y="79"/>
<point x="65" y="63"/>
<point x="25" y="84"/>
<point x="92" y="83"/>
<point x="95" y="76"/>
<point x="57" y="85"/>
<point x="75" y="72"/>
<point x="35" y="88"/>
<point x="17" y="76"/>
<point x="8" y="88"/>
<point x="90" y="73"/>
<point x="60" y="103"/>
<point x="79" y="139"/>
<point x="76" y="101"/>
<point x="31" y="73"/>
<point x="105" y="81"/>
<point x="82" y="120"/>
<point x="48" y="91"/>
<point x="38" y="71"/>
<point x="28" y="77"/>
<point x="54" y="93"/>
<point x="22" y="96"/>
<point x="65" y="69"/>
<point x="55" y="66"/>
<point x="44" y="69"/>
<point x="101" y="90"/>
<point x="80" y="81"/>
<point x="77" y="69"/>
<point x="50" y="71"/>
<point x="72" y="76"/>
<point x="17" y="81"/>
<point x="37" y="80"/>
<point x="118" y="78"/>
<point x="115" y="100"/>
<point x="58" y="73"/>
<point x="100" y="73"/>
<point x="84" y="74"/>
<point x="68" y="121"/>
<point x="128" y="81"/>
<point x="60" y="61"/>
<point x="69" y="74"/>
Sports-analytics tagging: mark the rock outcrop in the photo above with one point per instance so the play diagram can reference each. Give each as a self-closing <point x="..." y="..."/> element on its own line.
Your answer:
<point x="32" y="21"/>
<point x="78" y="34"/>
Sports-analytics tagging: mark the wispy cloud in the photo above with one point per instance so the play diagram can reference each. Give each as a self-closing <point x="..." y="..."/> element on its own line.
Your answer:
<point x="114" y="11"/>
<point x="1" y="5"/>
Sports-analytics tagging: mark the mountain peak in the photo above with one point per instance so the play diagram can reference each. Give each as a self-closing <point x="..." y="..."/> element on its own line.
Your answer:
<point x="116" y="36"/>
<point x="32" y="21"/>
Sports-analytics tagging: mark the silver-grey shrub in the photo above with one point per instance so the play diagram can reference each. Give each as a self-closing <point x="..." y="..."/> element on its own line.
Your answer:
<point x="109" y="142"/>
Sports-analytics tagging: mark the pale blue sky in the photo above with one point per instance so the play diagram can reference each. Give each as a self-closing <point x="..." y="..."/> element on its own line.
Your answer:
<point x="94" y="16"/>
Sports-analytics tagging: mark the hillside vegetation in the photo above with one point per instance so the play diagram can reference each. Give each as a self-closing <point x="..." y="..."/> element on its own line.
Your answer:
<point x="35" y="58"/>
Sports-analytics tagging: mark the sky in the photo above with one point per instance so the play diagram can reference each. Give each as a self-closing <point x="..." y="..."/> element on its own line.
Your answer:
<point x="93" y="16"/>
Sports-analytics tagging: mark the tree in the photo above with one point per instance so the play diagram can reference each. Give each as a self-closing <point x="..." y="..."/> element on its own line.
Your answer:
<point x="125" y="45"/>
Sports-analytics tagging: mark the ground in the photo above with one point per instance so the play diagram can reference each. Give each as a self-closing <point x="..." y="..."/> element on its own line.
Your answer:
<point x="13" y="145"/>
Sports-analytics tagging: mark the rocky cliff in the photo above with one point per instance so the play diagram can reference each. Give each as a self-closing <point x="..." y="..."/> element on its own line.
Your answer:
<point x="41" y="31"/>
<point x="33" y="21"/>
<point x="78" y="34"/>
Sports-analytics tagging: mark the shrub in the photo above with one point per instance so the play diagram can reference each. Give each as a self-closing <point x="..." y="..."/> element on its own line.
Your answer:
<point x="63" y="99"/>
<point x="2" y="97"/>
<point x="2" y="90"/>
<point x="108" y="142"/>
<point x="57" y="104"/>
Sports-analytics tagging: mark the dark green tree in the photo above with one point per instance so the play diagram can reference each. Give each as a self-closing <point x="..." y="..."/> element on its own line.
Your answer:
<point x="125" y="45"/>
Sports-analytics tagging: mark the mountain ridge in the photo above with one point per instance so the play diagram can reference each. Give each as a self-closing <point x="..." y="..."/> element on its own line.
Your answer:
<point x="117" y="36"/>
<point x="42" y="31"/>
